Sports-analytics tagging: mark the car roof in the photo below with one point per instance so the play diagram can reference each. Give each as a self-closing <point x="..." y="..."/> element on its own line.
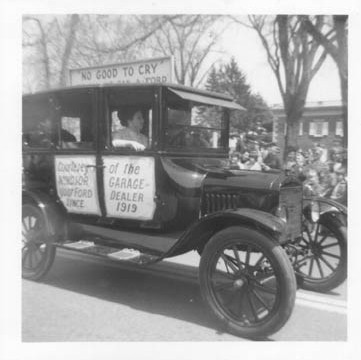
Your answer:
<point x="134" y="86"/>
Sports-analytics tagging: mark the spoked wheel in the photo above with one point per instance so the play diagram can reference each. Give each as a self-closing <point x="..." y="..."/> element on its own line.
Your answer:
<point x="37" y="253"/>
<point x="324" y="263"/>
<point x="247" y="281"/>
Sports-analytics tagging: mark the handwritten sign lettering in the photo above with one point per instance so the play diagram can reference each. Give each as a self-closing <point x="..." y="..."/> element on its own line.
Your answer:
<point x="129" y="187"/>
<point x="159" y="70"/>
<point x="76" y="184"/>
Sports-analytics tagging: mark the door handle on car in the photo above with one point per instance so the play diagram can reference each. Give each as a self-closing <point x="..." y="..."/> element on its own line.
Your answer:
<point x="95" y="166"/>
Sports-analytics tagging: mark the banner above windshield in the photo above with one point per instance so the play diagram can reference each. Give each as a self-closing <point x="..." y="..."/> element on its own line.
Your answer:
<point x="150" y="71"/>
<point x="203" y="99"/>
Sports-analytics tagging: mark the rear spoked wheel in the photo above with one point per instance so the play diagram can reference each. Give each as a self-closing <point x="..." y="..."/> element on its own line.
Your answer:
<point x="323" y="265"/>
<point x="247" y="281"/>
<point x="37" y="253"/>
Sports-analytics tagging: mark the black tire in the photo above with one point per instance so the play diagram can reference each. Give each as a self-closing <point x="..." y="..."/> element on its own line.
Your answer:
<point x="253" y="297"/>
<point x="324" y="267"/>
<point x="37" y="253"/>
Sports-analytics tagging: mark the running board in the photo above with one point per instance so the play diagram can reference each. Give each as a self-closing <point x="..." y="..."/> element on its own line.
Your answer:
<point x="114" y="253"/>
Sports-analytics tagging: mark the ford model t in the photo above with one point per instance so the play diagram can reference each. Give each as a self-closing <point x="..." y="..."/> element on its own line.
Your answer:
<point x="139" y="173"/>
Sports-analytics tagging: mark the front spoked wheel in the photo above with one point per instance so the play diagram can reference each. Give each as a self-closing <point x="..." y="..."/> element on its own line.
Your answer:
<point x="37" y="253"/>
<point x="323" y="263"/>
<point x="247" y="281"/>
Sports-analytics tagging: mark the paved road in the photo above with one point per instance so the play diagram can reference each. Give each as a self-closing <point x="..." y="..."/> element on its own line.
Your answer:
<point x="84" y="298"/>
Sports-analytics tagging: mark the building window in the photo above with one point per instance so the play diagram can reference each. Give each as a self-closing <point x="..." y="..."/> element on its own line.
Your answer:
<point x="339" y="128"/>
<point x="325" y="128"/>
<point x="318" y="128"/>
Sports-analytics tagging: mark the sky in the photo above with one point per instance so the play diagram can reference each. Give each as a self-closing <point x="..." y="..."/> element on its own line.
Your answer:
<point x="244" y="44"/>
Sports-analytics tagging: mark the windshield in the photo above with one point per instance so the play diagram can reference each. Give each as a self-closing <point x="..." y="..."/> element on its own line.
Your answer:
<point x="192" y="126"/>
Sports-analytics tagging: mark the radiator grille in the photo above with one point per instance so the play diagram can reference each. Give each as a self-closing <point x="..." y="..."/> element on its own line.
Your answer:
<point x="290" y="197"/>
<point x="216" y="202"/>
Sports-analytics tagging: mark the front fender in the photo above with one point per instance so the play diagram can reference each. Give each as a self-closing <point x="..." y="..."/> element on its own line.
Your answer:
<point x="54" y="214"/>
<point x="327" y="206"/>
<point x="201" y="231"/>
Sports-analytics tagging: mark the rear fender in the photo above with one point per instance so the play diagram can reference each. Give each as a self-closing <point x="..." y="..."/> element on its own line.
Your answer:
<point x="54" y="214"/>
<point x="200" y="232"/>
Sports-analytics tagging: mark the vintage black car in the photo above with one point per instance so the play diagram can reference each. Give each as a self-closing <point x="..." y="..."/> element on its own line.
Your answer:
<point x="168" y="190"/>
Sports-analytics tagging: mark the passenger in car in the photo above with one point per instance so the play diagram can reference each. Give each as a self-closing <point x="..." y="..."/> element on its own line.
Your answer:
<point x="45" y="136"/>
<point x="130" y="136"/>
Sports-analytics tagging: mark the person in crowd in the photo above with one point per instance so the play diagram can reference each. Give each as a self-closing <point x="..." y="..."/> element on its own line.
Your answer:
<point x="245" y="157"/>
<point x="339" y="192"/>
<point x="311" y="184"/>
<point x="327" y="181"/>
<point x="331" y="173"/>
<point x="290" y="164"/>
<point x="335" y="148"/>
<point x="256" y="148"/>
<point x="300" y="158"/>
<point x="337" y="160"/>
<point x="241" y="146"/>
<point x="233" y="141"/>
<point x="323" y="153"/>
<point x="317" y="164"/>
<point x="291" y="159"/>
<point x="271" y="157"/>
<point x="309" y="156"/>
<point x="253" y="162"/>
<point x="235" y="161"/>
<point x="130" y="135"/>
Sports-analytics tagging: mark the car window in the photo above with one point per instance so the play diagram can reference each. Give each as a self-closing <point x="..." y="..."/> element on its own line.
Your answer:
<point x="131" y="119"/>
<point x="38" y="128"/>
<point x="76" y="120"/>
<point x="194" y="126"/>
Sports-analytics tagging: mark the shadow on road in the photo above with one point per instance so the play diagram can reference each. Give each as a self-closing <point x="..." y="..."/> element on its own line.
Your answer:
<point x="141" y="290"/>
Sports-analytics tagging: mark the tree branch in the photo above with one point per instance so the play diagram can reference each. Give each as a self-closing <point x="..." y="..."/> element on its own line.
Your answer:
<point x="330" y="47"/>
<point x="319" y="63"/>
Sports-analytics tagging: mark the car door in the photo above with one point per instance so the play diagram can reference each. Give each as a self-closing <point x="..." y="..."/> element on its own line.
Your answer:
<point x="75" y="160"/>
<point x="129" y="183"/>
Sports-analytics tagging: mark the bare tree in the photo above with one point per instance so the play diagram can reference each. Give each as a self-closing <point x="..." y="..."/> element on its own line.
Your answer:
<point x="294" y="58"/>
<point x="54" y="44"/>
<point x="335" y="42"/>
<point x="37" y="37"/>
<point x="190" y="39"/>
<point x="69" y="41"/>
<point x="113" y="38"/>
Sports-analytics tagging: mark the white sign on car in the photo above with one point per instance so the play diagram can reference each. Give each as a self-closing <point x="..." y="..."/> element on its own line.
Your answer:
<point x="129" y="187"/>
<point x="76" y="183"/>
<point x="157" y="70"/>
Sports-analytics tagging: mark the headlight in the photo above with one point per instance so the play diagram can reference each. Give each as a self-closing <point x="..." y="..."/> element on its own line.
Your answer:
<point x="281" y="212"/>
<point x="315" y="211"/>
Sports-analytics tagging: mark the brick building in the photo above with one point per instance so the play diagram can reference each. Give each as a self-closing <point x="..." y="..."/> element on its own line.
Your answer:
<point x="321" y="122"/>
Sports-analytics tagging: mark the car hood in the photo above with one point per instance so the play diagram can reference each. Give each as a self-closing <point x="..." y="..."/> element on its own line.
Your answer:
<point x="214" y="174"/>
<point x="247" y="179"/>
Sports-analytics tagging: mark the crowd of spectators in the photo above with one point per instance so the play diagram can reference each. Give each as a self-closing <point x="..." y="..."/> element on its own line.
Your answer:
<point x="323" y="171"/>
